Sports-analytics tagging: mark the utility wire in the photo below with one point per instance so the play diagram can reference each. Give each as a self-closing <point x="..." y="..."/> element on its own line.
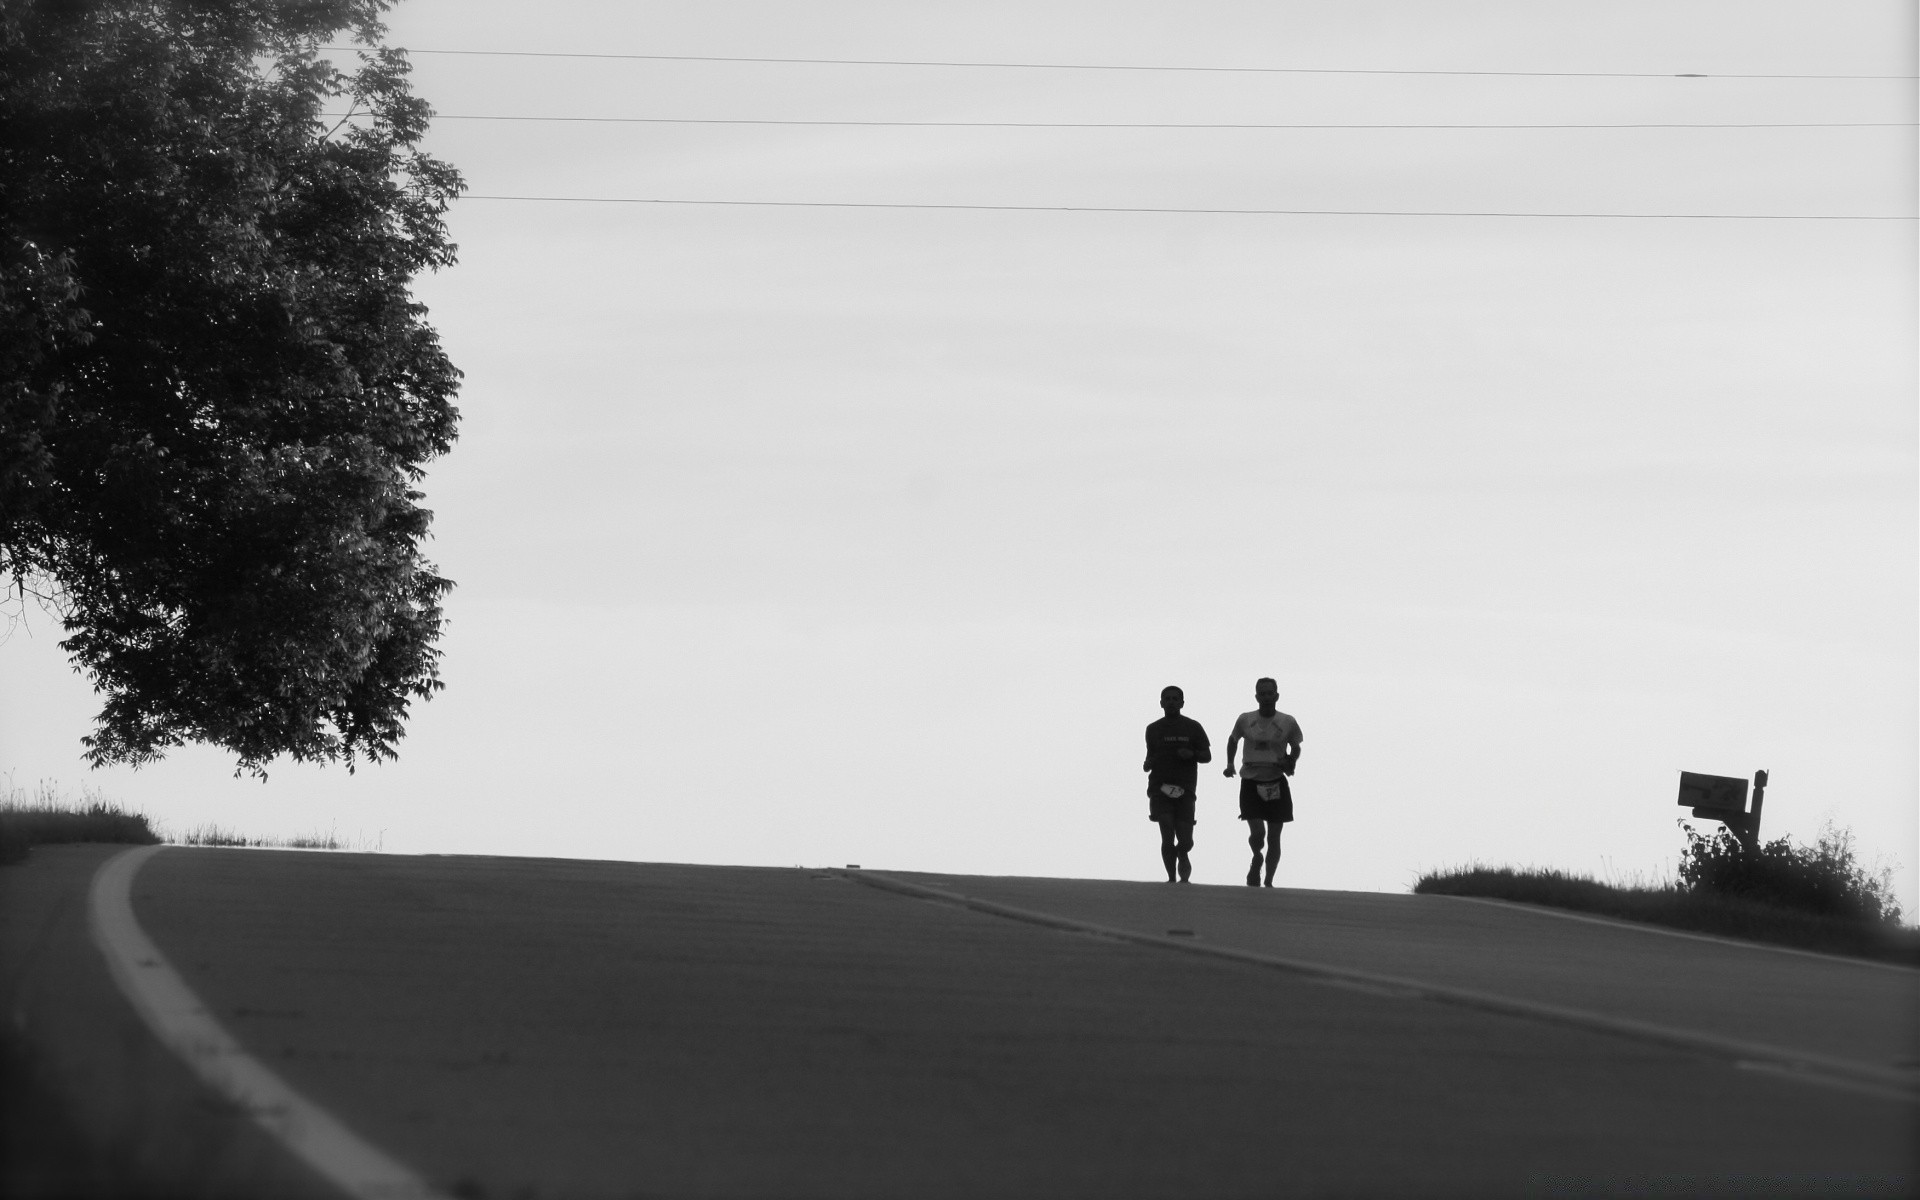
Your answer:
<point x="1266" y="212"/>
<point x="1166" y="124"/>
<point x="1053" y="66"/>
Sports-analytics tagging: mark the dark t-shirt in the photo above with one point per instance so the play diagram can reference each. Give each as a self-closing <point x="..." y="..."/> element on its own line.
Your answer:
<point x="1165" y="738"/>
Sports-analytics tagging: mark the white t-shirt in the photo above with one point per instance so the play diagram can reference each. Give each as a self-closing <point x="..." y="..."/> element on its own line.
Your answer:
<point x="1266" y="743"/>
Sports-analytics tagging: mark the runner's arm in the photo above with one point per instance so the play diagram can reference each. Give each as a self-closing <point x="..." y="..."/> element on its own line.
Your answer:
<point x="1233" y="743"/>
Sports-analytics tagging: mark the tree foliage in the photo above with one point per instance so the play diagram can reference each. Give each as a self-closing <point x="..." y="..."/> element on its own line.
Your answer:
<point x="217" y="394"/>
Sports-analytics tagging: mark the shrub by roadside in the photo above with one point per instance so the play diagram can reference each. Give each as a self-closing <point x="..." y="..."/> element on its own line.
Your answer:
<point x="1723" y="916"/>
<point x="1824" y="879"/>
<point x="45" y="818"/>
<point x="1814" y="898"/>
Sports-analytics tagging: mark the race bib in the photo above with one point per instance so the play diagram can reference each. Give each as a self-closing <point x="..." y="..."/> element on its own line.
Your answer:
<point x="1267" y="791"/>
<point x="1172" y="791"/>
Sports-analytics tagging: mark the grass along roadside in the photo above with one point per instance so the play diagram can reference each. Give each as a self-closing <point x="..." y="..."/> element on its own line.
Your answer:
<point x="48" y="816"/>
<point x="45" y="816"/>
<point x="1676" y="907"/>
<point x="214" y="835"/>
<point x="1819" y="897"/>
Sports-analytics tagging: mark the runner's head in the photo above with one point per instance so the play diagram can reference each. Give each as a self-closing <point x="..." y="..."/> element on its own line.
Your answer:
<point x="1265" y="690"/>
<point x="1172" y="699"/>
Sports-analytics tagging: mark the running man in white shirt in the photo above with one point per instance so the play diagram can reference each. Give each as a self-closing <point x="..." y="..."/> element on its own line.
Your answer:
<point x="1266" y="801"/>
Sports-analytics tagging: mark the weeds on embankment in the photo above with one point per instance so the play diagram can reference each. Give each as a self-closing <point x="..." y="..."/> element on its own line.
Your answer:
<point x="214" y="835"/>
<point x="45" y="817"/>
<point x="1812" y="897"/>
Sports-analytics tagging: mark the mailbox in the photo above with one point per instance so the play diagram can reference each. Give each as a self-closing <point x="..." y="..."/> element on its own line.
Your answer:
<point x="1718" y="794"/>
<point x="1723" y="798"/>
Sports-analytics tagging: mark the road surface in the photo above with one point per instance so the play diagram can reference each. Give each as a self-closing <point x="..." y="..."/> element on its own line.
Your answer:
<point x="547" y="1028"/>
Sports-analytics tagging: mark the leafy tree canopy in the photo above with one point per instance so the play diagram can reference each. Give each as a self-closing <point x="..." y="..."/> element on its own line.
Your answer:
<point x="217" y="395"/>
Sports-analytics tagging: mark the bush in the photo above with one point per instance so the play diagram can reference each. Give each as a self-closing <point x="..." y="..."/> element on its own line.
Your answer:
<point x="47" y="818"/>
<point x="1677" y="907"/>
<point x="1823" y="879"/>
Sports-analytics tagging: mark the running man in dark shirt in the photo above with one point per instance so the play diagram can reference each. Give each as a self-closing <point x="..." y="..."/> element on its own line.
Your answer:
<point x="1266" y="800"/>
<point x="1176" y="745"/>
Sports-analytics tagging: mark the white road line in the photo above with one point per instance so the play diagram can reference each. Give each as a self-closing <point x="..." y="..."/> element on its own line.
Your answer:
<point x="183" y="1024"/>
<point x="1802" y="1066"/>
<point x="1643" y="927"/>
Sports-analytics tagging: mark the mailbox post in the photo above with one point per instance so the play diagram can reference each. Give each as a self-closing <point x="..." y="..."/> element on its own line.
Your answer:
<point x="1723" y="798"/>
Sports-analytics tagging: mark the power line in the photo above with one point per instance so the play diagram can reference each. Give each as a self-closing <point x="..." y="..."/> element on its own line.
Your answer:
<point x="1265" y="212"/>
<point x="1163" y="124"/>
<point x="1054" y="66"/>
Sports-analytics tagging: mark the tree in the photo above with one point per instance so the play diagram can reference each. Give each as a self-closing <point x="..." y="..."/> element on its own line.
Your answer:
<point x="217" y="394"/>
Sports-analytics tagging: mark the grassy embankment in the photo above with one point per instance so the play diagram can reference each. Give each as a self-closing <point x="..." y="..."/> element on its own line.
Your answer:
<point x="1812" y="898"/>
<point x="47" y="817"/>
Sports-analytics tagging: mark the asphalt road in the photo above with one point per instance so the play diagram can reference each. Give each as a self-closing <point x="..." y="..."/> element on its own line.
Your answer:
<point x="545" y="1028"/>
<point x="1826" y="1005"/>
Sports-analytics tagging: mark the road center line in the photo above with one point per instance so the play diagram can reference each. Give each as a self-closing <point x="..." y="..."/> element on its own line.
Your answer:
<point x="182" y="1023"/>
<point x="1802" y="1066"/>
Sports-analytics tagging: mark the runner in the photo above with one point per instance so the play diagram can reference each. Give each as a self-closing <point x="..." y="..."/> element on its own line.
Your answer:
<point x="1266" y="800"/>
<point x="1175" y="747"/>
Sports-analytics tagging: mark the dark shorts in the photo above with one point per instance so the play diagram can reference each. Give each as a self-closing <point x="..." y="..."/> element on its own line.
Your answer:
<point x="1277" y="811"/>
<point x="1166" y="808"/>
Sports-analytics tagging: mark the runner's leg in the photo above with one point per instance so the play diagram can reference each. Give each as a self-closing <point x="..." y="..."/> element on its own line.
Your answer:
<point x="1185" y="846"/>
<point x="1256" y="837"/>
<point x="1273" y="849"/>
<point x="1169" y="850"/>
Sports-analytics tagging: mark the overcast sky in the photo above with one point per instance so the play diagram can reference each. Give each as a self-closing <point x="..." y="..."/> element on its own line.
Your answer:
<point x="803" y="535"/>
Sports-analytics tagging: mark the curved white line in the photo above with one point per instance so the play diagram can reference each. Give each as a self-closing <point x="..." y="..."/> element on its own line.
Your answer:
<point x="183" y="1024"/>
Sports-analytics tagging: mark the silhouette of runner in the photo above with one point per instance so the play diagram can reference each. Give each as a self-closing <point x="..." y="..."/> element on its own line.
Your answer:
<point x="1266" y="800"/>
<point x="1175" y="747"/>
